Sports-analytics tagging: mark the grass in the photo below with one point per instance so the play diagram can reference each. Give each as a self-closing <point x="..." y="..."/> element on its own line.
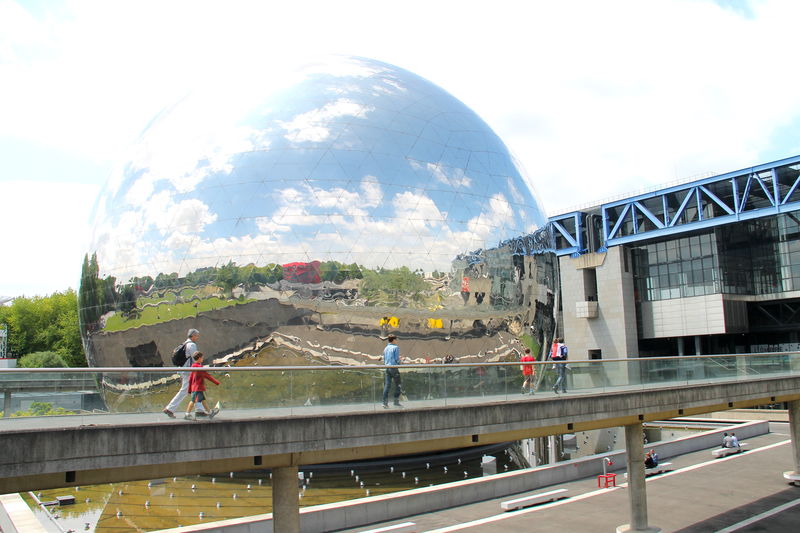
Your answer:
<point x="168" y="311"/>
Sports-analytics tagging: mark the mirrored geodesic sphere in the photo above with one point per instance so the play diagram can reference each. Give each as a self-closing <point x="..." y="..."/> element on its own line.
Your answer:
<point x="310" y="213"/>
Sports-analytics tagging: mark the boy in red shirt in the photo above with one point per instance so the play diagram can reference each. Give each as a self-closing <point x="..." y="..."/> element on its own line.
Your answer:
<point x="197" y="388"/>
<point x="528" y="372"/>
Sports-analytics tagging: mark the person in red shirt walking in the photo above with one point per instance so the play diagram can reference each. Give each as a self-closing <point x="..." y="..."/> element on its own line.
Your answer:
<point x="197" y="388"/>
<point x="528" y="371"/>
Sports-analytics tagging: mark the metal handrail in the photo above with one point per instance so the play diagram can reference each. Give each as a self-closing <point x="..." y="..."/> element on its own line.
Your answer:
<point x="172" y="369"/>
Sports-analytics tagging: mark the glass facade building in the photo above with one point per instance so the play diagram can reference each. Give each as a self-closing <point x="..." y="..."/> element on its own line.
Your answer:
<point x="755" y="257"/>
<point x="708" y="266"/>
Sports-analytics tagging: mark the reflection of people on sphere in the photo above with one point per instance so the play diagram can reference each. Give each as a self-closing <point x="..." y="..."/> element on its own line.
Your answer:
<point x="191" y="347"/>
<point x="391" y="356"/>
<point x="559" y="353"/>
<point x="197" y="388"/>
<point x="465" y="288"/>
<point x="481" y="373"/>
<point x="527" y="371"/>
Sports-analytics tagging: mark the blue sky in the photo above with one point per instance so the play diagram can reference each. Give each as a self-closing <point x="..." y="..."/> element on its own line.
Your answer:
<point x="596" y="99"/>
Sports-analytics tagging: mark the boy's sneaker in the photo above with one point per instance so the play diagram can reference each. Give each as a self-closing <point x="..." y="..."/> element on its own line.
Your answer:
<point x="213" y="413"/>
<point x="168" y="413"/>
<point x="187" y="416"/>
<point x="398" y="404"/>
<point x="386" y="406"/>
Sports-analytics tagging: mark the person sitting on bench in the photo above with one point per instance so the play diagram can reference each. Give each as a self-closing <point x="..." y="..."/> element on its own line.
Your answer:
<point x="651" y="459"/>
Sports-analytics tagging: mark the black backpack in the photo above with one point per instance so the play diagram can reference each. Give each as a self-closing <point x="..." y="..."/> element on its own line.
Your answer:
<point x="179" y="355"/>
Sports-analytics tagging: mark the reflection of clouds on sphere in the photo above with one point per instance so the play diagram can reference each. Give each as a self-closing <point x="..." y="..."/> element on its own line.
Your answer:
<point x="354" y="161"/>
<point x="300" y="217"/>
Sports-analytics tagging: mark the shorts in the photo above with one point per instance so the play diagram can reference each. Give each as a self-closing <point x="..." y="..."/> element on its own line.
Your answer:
<point x="198" y="396"/>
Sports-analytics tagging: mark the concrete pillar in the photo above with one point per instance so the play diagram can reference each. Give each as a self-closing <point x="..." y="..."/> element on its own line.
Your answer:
<point x="699" y="371"/>
<point x="794" y="431"/>
<point x="552" y="458"/>
<point x="637" y="488"/>
<point x="7" y="403"/>
<point x="285" y="500"/>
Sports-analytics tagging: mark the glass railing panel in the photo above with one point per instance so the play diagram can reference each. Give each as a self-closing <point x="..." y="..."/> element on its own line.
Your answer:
<point x="298" y="390"/>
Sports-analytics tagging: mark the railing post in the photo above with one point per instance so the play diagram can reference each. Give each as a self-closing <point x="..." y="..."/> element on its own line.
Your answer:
<point x="285" y="500"/>
<point x="637" y="487"/>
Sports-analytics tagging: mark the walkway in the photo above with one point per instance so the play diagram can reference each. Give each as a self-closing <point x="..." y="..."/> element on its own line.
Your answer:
<point x="698" y="495"/>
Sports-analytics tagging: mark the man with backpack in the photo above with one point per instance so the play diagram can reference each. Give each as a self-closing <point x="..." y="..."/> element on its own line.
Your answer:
<point x="560" y="353"/>
<point x="182" y="356"/>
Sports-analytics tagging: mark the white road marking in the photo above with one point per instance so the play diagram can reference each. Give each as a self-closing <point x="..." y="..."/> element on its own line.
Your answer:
<point x="507" y="515"/>
<point x="759" y="517"/>
<point x="513" y="514"/>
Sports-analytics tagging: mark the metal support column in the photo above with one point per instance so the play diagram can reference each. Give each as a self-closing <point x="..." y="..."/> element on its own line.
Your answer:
<point x="794" y="431"/>
<point x="285" y="500"/>
<point x="637" y="487"/>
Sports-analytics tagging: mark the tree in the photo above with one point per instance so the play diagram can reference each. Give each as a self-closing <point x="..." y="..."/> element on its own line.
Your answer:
<point x="228" y="278"/>
<point x="329" y="270"/>
<point x="45" y="324"/>
<point x="395" y="286"/>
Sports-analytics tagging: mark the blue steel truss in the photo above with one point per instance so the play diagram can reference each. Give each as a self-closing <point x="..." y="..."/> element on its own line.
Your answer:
<point x="759" y="191"/>
<point x="568" y="233"/>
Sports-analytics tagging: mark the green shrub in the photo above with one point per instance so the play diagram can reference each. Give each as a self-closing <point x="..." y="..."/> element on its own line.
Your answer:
<point x="42" y="409"/>
<point x="42" y="360"/>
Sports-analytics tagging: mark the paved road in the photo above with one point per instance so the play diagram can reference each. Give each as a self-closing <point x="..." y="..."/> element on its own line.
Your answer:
<point x="745" y="493"/>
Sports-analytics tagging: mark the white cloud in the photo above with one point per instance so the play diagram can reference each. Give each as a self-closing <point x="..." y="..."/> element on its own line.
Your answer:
<point x="499" y="214"/>
<point x="417" y="210"/>
<point x="454" y="177"/>
<point x="339" y="206"/>
<point x="184" y="153"/>
<point x="311" y="126"/>
<point x="633" y="94"/>
<point x="373" y="195"/>
<point x="46" y="236"/>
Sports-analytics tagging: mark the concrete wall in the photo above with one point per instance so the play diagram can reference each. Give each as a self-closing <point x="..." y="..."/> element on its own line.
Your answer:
<point x="363" y="511"/>
<point x="681" y="317"/>
<point x="613" y="331"/>
<point x="105" y="448"/>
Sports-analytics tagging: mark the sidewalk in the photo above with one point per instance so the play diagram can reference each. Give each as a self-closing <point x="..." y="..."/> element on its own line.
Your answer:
<point x="699" y="494"/>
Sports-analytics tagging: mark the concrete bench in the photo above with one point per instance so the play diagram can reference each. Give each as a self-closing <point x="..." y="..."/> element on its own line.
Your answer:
<point x="722" y="452"/>
<point x="518" y="503"/>
<point x="659" y="468"/>
<point x="405" y="527"/>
